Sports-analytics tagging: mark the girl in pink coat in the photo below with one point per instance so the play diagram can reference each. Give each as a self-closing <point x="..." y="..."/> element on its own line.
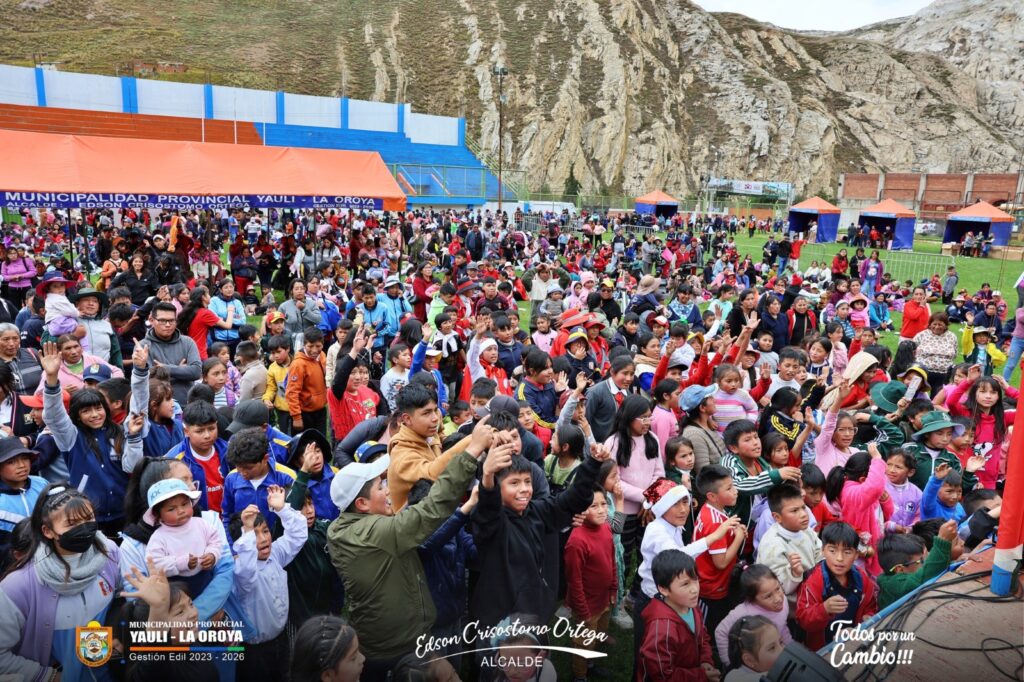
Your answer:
<point x="858" y="490"/>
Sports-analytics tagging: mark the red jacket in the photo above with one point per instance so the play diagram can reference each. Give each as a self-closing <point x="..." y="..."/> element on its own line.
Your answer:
<point x="915" y="319"/>
<point x="669" y="651"/>
<point x="812" y="320"/>
<point x="420" y="298"/>
<point x="810" y="605"/>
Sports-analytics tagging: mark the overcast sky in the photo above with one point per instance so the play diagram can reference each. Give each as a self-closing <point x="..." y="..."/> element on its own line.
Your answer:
<point x="817" y="15"/>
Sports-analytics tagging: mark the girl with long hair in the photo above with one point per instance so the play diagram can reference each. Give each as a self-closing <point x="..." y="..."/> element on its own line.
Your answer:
<point x="857" y="488"/>
<point x="980" y="399"/>
<point x="197" y="320"/>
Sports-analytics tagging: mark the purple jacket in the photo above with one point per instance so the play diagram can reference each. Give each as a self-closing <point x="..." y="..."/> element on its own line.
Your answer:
<point x="32" y="642"/>
<point x="14" y="271"/>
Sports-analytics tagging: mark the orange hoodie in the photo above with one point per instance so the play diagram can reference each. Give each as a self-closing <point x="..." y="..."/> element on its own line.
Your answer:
<point x="307" y="386"/>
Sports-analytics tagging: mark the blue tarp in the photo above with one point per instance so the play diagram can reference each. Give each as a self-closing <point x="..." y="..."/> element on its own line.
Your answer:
<point x="828" y="223"/>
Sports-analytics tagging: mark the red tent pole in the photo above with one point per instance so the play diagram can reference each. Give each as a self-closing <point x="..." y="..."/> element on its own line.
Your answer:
<point x="1011" y="519"/>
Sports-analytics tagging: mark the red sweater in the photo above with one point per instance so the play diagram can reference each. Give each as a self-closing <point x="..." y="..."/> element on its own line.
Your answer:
<point x="670" y="651"/>
<point x="915" y="319"/>
<point x="590" y="570"/>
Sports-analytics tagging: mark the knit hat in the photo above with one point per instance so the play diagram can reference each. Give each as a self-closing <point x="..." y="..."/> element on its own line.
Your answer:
<point x="577" y="334"/>
<point x="661" y="495"/>
<point x="487" y="343"/>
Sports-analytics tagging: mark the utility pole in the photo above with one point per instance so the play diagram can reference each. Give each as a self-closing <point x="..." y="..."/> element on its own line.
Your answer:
<point x="500" y="71"/>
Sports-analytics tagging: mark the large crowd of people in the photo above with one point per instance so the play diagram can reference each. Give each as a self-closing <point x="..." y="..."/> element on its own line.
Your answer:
<point x="343" y="441"/>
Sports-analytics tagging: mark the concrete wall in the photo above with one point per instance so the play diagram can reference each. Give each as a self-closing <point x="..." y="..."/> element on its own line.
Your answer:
<point x="379" y="116"/>
<point x="18" y="85"/>
<point x="169" y="99"/>
<point x="36" y="87"/>
<point x="82" y="91"/>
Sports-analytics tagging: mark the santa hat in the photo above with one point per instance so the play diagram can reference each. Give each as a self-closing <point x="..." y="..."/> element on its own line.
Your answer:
<point x="487" y="343"/>
<point x="662" y="494"/>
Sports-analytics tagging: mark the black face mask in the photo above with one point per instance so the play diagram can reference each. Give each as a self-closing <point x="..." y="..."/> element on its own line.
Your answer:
<point x="79" y="538"/>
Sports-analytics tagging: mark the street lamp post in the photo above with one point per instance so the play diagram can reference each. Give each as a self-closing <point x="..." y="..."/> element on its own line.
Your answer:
<point x="500" y="71"/>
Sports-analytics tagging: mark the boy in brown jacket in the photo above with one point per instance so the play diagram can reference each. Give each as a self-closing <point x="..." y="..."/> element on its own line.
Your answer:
<point x="415" y="450"/>
<point x="306" y="392"/>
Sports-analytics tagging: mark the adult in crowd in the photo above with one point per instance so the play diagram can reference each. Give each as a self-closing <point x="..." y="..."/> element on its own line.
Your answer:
<point x="141" y="281"/>
<point x="24" y="363"/>
<point x="916" y="314"/>
<point x="78" y="366"/>
<point x="299" y="312"/>
<point x="840" y="263"/>
<point x="102" y="340"/>
<point x="113" y="266"/>
<point x="871" y="271"/>
<point x="67" y="576"/>
<point x="171" y="349"/>
<point x="243" y="269"/>
<point x="936" y="352"/>
<point x="228" y="308"/>
<point x="420" y="284"/>
<point x="197" y="320"/>
<point x="18" y="270"/>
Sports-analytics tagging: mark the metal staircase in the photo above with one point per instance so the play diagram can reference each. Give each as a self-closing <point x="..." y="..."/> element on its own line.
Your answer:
<point x="515" y="187"/>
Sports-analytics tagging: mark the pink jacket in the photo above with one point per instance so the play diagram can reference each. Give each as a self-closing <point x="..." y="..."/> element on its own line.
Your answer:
<point x="984" y="429"/>
<point x="860" y="506"/>
<point x="826" y="455"/>
<point x="664" y="426"/>
<point x="640" y="473"/>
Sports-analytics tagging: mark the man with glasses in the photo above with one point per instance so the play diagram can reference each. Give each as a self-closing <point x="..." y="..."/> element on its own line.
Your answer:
<point x="169" y="348"/>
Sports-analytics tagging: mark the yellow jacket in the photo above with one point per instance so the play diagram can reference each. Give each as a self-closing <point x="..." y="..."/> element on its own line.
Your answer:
<point x="276" y="375"/>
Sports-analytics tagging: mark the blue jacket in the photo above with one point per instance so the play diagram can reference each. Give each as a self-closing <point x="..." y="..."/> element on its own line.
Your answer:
<point x="160" y="438"/>
<point x="219" y="307"/>
<point x="239" y="493"/>
<point x="931" y="508"/>
<point x="444" y="556"/>
<point x="878" y="313"/>
<point x="183" y="451"/>
<point x="690" y="314"/>
<point x="779" y="328"/>
<point x="320" y="492"/>
<point x="382" y="318"/>
<point x="510" y="356"/>
<point x="419" y="354"/>
<point x="397" y="308"/>
<point x="279" y="441"/>
<point x="16" y="505"/>
<point x="543" y="401"/>
<point x="88" y="452"/>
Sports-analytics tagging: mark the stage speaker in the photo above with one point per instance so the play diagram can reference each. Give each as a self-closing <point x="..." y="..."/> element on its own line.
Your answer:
<point x="797" y="663"/>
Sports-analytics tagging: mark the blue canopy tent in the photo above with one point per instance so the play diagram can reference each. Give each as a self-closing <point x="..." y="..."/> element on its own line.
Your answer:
<point x="657" y="203"/>
<point x="983" y="219"/>
<point x="817" y="210"/>
<point x="891" y="215"/>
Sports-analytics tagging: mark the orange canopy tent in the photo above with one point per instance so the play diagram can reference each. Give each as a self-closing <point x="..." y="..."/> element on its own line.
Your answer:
<point x="817" y="210"/>
<point x="982" y="220"/>
<point x="657" y="203"/>
<point x="92" y="172"/>
<point x="892" y="216"/>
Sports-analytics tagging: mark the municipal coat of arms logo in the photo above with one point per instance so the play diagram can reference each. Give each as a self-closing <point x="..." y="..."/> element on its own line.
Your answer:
<point x="94" y="642"/>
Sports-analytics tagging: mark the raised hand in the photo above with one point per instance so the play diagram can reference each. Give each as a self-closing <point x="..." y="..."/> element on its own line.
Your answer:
<point x="311" y="457"/>
<point x="140" y="354"/>
<point x="248" y="516"/>
<point x="940" y="471"/>
<point x="874" y="451"/>
<point x="975" y="462"/>
<point x="50" y="360"/>
<point x="135" y="423"/>
<point x="600" y="452"/>
<point x="275" y="497"/>
<point x="974" y="373"/>
<point x="561" y="382"/>
<point x="581" y="382"/>
<point x="482" y="437"/>
<point x="497" y="459"/>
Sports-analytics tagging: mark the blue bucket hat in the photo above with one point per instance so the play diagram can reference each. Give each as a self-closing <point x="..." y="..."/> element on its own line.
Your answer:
<point x="695" y="395"/>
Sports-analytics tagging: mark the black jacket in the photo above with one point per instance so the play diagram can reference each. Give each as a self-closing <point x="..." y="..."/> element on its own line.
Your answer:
<point x="519" y="554"/>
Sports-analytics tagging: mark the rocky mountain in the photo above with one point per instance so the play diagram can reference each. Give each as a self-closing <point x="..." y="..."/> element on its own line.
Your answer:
<point x="624" y="95"/>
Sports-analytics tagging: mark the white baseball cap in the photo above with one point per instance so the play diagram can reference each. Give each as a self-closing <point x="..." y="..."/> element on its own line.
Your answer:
<point x="351" y="478"/>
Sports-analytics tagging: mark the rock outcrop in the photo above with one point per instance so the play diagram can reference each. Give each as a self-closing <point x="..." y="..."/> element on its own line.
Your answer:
<point x="624" y="95"/>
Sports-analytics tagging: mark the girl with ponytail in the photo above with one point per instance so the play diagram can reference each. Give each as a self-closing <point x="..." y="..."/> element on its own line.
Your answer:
<point x="857" y="488"/>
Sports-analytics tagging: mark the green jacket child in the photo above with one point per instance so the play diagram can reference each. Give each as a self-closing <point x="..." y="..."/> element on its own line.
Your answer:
<point x="930" y="448"/>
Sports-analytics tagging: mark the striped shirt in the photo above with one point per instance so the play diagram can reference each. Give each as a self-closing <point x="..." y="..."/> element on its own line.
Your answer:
<point x="730" y="407"/>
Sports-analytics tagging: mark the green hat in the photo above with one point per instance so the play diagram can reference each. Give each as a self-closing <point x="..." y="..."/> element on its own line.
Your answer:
<point x="886" y="394"/>
<point x="936" y="421"/>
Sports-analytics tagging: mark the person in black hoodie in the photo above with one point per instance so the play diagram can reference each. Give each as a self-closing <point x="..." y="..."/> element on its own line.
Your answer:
<point x="517" y="536"/>
<point x="628" y="335"/>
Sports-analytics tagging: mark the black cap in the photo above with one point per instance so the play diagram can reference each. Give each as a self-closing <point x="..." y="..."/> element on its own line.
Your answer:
<point x="249" y="413"/>
<point x="13" y="447"/>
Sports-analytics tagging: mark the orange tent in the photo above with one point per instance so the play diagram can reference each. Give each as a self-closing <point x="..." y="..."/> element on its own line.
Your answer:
<point x="815" y="205"/>
<point x="982" y="212"/>
<point x="982" y="220"/>
<point x="73" y="171"/>
<point x="657" y="203"/>
<point x="657" y="197"/>
<point x="888" y="208"/>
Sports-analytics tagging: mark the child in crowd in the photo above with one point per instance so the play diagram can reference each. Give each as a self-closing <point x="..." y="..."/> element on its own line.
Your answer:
<point x="252" y="383"/>
<point x="750" y="472"/>
<point x="715" y="566"/>
<point x="308" y="453"/>
<point x="61" y="315"/>
<point x="813" y="483"/>
<point x="676" y="643"/>
<point x="906" y="497"/>
<point x="942" y="495"/>
<point x="261" y="583"/>
<point x="458" y="414"/>
<point x="790" y="361"/>
<point x="933" y="438"/>
<point x="306" y="392"/>
<point x="280" y="351"/>
<point x="664" y="423"/>
<point x="679" y="460"/>
<point x="182" y="545"/>
<point x="907" y="564"/>
<point x="205" y="454"/>
<point x="215" y="375"/>
<point x="560" y="466"/>
<point x="836" y="589"/>
<point x="590" y="574"/>
<point x="980" y="399"/>
<point x="731" y="401"/>
<point x="790" y="547"/>
<point x="754" y="643"/>
<point x="252" y="476"/>
<point x="544" y="336"/>
<point x="18" y="490"/>
<point x="857" y="489"/>
<point x="763" y="597"/>
<point x="233" y="382"/>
